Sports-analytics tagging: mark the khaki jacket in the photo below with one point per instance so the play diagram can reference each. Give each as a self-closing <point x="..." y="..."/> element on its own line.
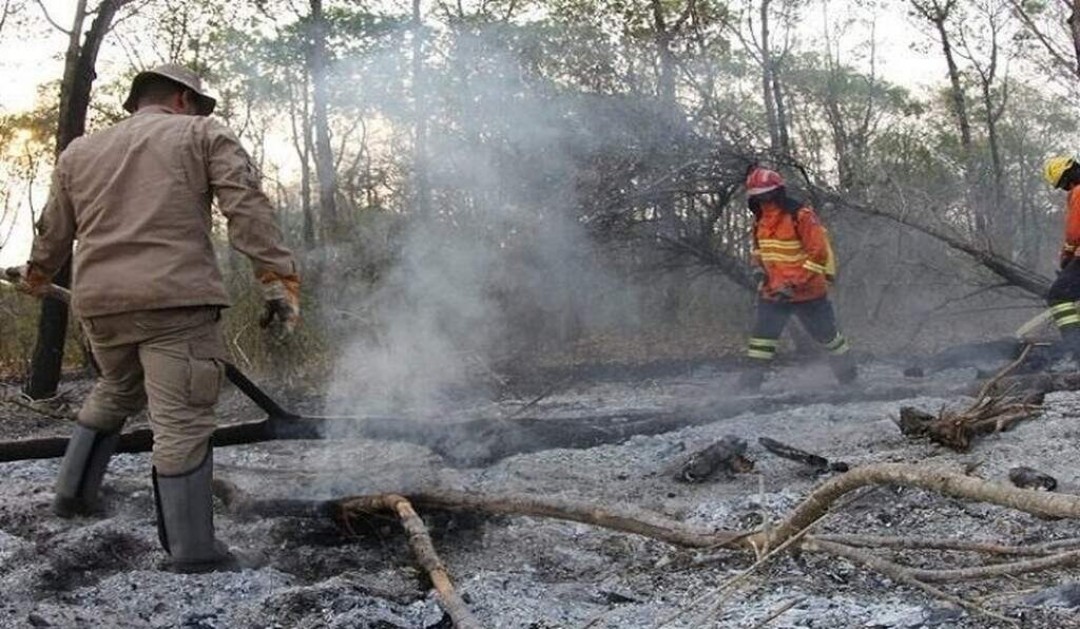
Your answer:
<point x="136" y="198"/>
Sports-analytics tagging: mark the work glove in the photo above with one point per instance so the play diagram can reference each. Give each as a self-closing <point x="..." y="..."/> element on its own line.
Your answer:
<point x="785" y="293"/>
<point x="281" y="299"/>
<point x="28" y="279"/>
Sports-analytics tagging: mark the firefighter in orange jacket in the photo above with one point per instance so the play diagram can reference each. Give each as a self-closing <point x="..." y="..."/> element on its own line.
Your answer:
<point x="1064" y="172"/>
<point x="792" y="251"/>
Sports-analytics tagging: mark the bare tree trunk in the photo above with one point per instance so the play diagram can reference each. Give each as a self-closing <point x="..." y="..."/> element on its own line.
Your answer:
<point x="300" y="121"/>
<point x="1002" y="223"/>
<point x="420" y="94"/>
<point x="956" y="87"/>
<point x="79" y="62"/>
<point x="767" y="69"/>
<point x="938" y="13"/>
<point x="662" y="37"/>
<point x="5" y="11"/>
<point x="324" y="156"/>
<point x="1074" y="28"/>
<point x="781" y="111"/>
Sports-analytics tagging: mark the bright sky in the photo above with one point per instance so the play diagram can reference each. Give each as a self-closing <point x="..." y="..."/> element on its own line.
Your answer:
<point x="34" y="57"/>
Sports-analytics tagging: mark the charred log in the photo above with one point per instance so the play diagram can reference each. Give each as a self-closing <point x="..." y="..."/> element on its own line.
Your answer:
<point x="915" y="422"/>
<point x="817" y="463"/>
<point x="727" y="456"/>
<point x="982" y="355"/>
<point x="1030" y="478"/>
<point x="479" y="441"/>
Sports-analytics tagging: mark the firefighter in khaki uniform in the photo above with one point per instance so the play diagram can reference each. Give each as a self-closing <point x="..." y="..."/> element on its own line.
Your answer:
<point x="1063" y="172"/>
<point x="148" y="292"/>
<point x="792" y="252"/>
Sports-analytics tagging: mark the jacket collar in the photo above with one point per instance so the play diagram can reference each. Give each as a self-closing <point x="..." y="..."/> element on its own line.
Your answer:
<point x="153" y="109"/>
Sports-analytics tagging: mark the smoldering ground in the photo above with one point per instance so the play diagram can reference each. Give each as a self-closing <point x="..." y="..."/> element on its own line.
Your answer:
<point x="533" y="572"/>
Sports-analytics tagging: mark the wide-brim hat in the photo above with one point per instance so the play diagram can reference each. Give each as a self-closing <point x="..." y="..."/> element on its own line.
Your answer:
<point x="178" y="74"/>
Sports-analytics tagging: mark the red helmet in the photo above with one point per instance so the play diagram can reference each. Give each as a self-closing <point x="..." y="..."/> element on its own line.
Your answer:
<point x="762" y="180"/>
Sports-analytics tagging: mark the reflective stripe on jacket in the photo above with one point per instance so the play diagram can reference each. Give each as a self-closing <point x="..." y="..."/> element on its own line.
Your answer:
<point x="793" y="251"/>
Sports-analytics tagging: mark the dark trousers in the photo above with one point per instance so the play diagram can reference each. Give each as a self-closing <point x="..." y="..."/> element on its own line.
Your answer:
<point x="1062" y="298"/>
<point x="816" y="316"/>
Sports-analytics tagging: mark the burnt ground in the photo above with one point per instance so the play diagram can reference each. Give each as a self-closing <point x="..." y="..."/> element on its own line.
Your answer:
<point x="538" y="573"/>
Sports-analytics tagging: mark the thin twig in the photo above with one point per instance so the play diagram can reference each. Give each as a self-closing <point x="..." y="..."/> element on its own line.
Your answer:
<point x="917" y="543"/>
<point x="902" y="575"/>
<point x="779" y="612"/>
<point x="546" y="392"/>
<point x="997" y="570"/>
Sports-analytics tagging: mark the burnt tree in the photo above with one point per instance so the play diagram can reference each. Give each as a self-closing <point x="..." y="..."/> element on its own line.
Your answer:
<point x="79" y="75"/>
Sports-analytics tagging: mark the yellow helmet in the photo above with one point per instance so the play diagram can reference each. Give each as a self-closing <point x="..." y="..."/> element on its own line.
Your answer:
<point x="1055" y="167"/>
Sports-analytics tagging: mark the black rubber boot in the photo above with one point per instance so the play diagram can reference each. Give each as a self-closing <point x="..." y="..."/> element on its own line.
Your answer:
<point x="82" y="470"/>
<point x="843" y="367"/>
<point x="185" y="518"/>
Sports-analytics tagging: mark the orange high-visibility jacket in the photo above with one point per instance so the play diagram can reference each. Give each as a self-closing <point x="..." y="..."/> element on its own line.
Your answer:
<point x="1072" y="223"/>
<point x="793" y="250"/>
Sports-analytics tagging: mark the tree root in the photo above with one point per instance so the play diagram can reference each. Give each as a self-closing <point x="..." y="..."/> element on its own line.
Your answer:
<point x="993" y="410"/>
<point x="793" y="533"/>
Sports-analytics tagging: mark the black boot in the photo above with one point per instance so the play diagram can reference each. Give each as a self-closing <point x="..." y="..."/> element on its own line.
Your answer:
<point x="843" y="367"/>
<point x="82" y="470"/>
<point x="185" y="517"/>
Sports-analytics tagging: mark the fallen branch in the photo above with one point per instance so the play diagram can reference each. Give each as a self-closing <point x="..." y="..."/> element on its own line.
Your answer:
<point x="778" y="612"/>
<point x="638" y="522"/>
<point x="918" y="543"/>
<point x="817" y="463"/>
<point x="1016" y="275"/>
<point x="900" y="574"/>
<point x="992" y="411"/>
<point x="1042" y="504"/>
<point x="1011" y="569"/>
<point x="790" y="534"/>
<point x="237" y="502"/>
<point x="659" y="527"/>
<point x="424" y="549"/>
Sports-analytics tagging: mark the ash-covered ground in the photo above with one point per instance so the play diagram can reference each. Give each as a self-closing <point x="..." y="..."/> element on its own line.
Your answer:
<point x="524" y="572"/>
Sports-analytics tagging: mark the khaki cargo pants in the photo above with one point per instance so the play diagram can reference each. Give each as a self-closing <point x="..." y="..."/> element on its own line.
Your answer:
<point x="172" y="361"/>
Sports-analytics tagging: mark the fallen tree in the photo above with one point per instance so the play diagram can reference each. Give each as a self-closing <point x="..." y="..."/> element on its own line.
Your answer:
<point x="792" y="533"/>
<point x="483" y="440"/>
